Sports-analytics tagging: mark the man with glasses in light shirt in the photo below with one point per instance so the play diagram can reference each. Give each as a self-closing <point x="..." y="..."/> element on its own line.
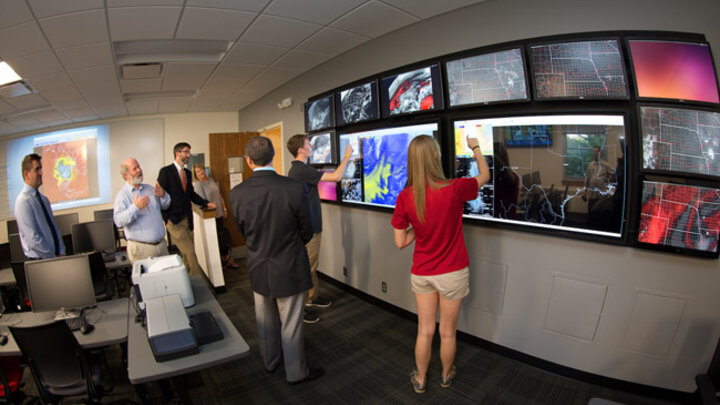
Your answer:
<point x="138" y="210"/>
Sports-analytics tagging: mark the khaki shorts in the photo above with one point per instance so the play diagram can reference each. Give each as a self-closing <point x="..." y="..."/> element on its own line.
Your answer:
<point x="453" y="286"/>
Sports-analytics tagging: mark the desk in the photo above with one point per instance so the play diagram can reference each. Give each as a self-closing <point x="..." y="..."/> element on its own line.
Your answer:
<point x="142" y="366"/>
<point x="110" y="319"/>
<point x="6" y="277"/>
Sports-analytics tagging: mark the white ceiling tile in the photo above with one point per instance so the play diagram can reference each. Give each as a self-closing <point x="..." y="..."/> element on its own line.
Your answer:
<point x="278" y="31"/>
<point x="317" y="11"/>
<point x="140" y="107"/>
<point x="55" y="87"/>
<point x="39" y="64"/>
<point x="207" y="23"/>
<point x="143" y="22"/>
<point x="140" y="85"/>
<point x="301" y="60"/>
<point x="331" y="41"/>
<point x="85" y="118"/>
<point x="239" y="105"/>
<point x="97" y="84"/>
<point x="254" y="54"/>
<point x="247" y="93"/>
<point x="80" y="28"/>
<point x="232" y="84"/>
<point x="72" y="104"/>
<point x="172" y="106"/>
<point x="47" y="8"/>
<point x="244" y="5"/>
<point x="27" y="102"/>
<point x="6" y="129"/>
<point x="75" y="113"/>
<point x="26" y="123"/>
<point x="130" y="3"/>
<point x="374" y="19"/>
<point x="219" y="94"/>
<point x="429" y="8"/>
<point x="188" y="71"/>
<point x="51" y="117"/>
<point x="272" y="78"/>
<point x="6" y="108"/>
<point x="85" y="56"/>
<point x="21" y="40"/>
<point x="110" y="108"/>
<point x="14" y="12"/>
<point x="236" y="71"/>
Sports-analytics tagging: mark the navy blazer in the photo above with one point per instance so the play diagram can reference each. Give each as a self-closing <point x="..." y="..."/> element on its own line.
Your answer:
<point x="272" y="212"/>
<point x="169" y="180"/>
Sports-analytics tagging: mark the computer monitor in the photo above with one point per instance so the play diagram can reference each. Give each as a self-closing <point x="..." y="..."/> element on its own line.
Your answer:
<point x="103" y="214"/>
<point x="95" y="236"/>
<point x="60" y="284"/>
<point x="65" y="222"/>
<point x="12" y="226"/>
<point x="16" y="251"/>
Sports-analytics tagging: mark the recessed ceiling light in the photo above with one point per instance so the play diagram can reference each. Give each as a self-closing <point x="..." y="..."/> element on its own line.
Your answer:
<point x="7" y="74"/>
<point x="170" y="50"/>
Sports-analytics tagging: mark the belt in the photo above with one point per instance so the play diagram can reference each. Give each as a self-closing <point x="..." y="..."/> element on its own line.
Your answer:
<point x="147" y="243"/>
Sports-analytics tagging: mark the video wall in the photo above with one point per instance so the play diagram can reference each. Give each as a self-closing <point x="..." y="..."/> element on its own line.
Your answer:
<point x="611" y="137"/>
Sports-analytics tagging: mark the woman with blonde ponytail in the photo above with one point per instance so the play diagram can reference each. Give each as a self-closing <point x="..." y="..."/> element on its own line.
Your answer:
<point x="429" y="212"/>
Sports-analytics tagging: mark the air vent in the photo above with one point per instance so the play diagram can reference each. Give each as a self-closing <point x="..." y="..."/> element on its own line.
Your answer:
<point x="141" y="71"/>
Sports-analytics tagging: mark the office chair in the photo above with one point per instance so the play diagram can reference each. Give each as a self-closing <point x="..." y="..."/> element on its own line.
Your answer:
<point x="708" y="384"/>
<point x="21" y="299"/>
<point x="11" y="373"/>
<point x="61" y="369"/>
<point x="102" y="279"/>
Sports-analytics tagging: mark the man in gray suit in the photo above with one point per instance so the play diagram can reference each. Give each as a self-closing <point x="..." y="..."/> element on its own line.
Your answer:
<point x="272" y="213"/>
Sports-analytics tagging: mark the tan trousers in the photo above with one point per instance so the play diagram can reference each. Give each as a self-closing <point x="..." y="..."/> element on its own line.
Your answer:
<point x="138" y="250"/>
<point x="182" y="237"/>
<point x="313" y="248"/>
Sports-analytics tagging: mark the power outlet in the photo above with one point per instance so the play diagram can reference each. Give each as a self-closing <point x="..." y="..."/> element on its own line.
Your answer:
<point x="344" y="271"/>
<point x="384" y="287"/>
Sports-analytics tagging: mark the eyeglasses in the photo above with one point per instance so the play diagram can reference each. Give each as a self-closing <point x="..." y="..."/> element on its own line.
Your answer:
<point x="185" y="151"/>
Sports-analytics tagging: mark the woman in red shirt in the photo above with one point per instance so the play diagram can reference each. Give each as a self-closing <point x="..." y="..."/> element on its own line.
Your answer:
<point x="429" y="212"/>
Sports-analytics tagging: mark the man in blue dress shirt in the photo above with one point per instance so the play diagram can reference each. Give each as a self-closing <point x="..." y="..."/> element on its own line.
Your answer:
<point x="39" y="234"/>
<point x="138" y="210"/>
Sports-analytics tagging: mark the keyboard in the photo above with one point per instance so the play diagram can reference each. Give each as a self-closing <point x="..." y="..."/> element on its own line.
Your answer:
<point x="74" y="323"/>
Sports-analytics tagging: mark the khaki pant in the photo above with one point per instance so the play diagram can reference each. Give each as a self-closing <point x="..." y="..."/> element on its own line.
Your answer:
<point x="138" y="250"/>
<point x="313" y="249"/>
<point x="182" y="237"/>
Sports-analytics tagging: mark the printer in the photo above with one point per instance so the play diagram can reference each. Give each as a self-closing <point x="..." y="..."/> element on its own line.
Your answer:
<point x="161" y="276"/>
<point x="169" y="331"/>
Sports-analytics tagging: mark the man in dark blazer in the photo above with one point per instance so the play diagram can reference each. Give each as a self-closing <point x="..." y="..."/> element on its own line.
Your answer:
<point x="272" y="213"/>
<point x="176" y="180"/>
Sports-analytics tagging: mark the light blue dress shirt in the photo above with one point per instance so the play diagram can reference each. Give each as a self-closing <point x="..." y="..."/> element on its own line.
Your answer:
<point x="35" y="233"/>
<point x="144" y="225"/>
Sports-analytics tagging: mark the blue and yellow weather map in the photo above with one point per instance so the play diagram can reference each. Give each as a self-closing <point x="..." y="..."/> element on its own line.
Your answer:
<point x="385" y="167"/>
<point x="64" y="169"/>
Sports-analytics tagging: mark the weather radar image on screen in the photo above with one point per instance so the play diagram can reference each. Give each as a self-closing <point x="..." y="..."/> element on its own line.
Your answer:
<point x="680" y="140"/>
<point x="319" y="114"/>
<point x="527" y="184"/>
<point x="414" y="91"/>
<point x="497" y="76"/>
<point x="680" y="216"/>
<point x="322" y="150"/>
<point x="357" y="104"/>
<point x="587" y="69"/>
<point x="381" y="174"/>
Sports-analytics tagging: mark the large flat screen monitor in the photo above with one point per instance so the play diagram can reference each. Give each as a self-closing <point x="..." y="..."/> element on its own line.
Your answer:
<point x="103" y="214"/>
<point x="319" y="114"/>
<point x="411" y="92"/>
<point x="683" y="218"/>
<point x="60" y="283"/>
<point x="578" y="70"/>
<point x="487" y="78"/>
<point x="679" y="71"/>
<point x="576" y="183"/>
<point x="381" y="174"/>
<point x="65" y="222"/>
<point x="323" y="148"/>
<point x="680" y="141"/>
<point x="357" y="104"/>
<point x="95" y="236"/>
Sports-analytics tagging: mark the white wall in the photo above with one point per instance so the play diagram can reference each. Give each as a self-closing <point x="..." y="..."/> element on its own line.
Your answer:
<point x="640" y="316"/>
<point x="192" y="128"/>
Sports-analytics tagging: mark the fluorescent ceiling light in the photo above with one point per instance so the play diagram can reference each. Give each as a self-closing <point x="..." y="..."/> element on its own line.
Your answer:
<point x="7" y="74"/>
<point x="157" y="95"/>
<point x="170" y="50"/>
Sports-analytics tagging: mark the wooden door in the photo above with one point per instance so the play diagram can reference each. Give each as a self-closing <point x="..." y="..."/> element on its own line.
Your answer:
<point x="222" y="146"/>
<point x="275" y="136"/>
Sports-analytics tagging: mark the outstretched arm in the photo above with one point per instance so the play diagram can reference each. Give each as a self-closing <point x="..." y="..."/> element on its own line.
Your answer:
<point x="483" y="169"/>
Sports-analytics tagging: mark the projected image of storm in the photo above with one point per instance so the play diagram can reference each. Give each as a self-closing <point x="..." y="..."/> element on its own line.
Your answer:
<point x="411" y="91"/>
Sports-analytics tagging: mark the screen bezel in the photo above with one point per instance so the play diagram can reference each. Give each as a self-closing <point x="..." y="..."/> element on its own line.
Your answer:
<point x="313" y="100"/>
<point x="439" y="102"/>
<point x="669" y="173"/>
<point x="333" y="148"/>
<point x="666" y="248"/>
<point x="78" y="260"/>
<point x="570" y="40"/>
<point x="482" y="52"/>
<point x="376" y="105"/>
<point x="676" y="39"/>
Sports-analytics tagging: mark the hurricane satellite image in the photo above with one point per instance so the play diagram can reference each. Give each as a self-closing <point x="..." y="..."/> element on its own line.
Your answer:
<point x="67" y="177"/>
<point x="411" y="91"/>
<point x="321" y="145"/>
<point x="318" y="114"/>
